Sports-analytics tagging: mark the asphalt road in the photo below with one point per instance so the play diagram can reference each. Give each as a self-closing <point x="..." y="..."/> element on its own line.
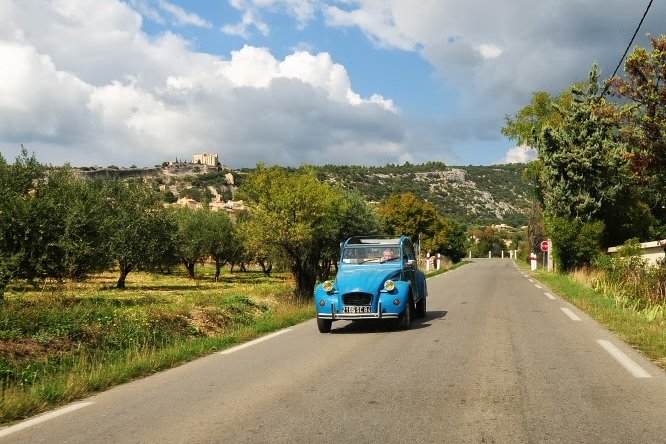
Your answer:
<point x="495" y="360"/>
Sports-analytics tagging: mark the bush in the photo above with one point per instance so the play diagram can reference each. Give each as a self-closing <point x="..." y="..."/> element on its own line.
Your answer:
<point x="575" y="243"/>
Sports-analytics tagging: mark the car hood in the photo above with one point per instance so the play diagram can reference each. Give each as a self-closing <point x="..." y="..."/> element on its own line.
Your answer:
<point x="365" y="279"/>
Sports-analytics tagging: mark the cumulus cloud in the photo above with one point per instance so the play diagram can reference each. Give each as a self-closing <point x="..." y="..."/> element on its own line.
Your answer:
<point x="302" y="10"/>
<point x="520" y="154"/>
<point x="123" y="97"/>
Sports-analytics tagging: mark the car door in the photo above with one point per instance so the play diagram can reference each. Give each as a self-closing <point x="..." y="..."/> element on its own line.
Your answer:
<point x="409" y="267"/>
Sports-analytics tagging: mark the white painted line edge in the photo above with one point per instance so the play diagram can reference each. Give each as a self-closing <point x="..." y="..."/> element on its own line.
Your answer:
<point x="570" y="313"/>
<point x="538" y="286"/>
<point x="256" y="341"/>
<point x="549" y="296"/>
<point x="43" y="418"/>
<point x="530" y="280"/>
<point x="626" y="362"/>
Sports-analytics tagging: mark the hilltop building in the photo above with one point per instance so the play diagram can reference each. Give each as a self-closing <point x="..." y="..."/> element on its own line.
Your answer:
<point x="205" y="159"/>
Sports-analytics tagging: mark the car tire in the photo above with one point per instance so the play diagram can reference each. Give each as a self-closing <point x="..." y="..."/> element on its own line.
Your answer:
<point x="405" y="319"/>
<point x="421" y="308"/>
<point x="324" y="325"/>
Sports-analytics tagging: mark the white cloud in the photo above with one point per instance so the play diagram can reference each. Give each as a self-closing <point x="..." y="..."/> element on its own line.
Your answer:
<point x="489" y="51"/>
<point x="181" y="16"/>
<point x="121" y="97"/>
<point x="302" y="10"/>
<point x="520" y="154"/>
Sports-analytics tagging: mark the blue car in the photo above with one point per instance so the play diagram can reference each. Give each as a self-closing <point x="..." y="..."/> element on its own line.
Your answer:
<point x="378" y="278"/>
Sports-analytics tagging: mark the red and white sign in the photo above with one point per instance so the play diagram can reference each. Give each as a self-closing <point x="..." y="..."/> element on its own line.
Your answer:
<point x="544" y="246"/>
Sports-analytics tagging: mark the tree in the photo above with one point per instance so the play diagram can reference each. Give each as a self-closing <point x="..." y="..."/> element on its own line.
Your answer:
<point x="583" y="159"/>
<point x="194" y="237"/>
<point x="487" y="240"/>
<point x="17" y="183"/>
<point x="543" y="111"/>
<point x="575" y="242"/>
<point x="221" y="234"/>
<point x="449" y="239"/>
<point x="141" y="232"/>
<point x="294" y="216"/>
<point x="406" y="214"/>
<point x="643" y="118"/>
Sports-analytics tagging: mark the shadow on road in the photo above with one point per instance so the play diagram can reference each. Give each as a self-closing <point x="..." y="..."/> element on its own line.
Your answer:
<point x="384" y="325"/>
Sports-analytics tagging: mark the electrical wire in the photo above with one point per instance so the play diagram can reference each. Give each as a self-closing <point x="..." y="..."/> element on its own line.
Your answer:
<point x="603" y="93"/>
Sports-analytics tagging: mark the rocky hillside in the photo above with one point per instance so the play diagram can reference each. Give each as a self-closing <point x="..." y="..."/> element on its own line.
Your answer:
<point x="475" y="194"/>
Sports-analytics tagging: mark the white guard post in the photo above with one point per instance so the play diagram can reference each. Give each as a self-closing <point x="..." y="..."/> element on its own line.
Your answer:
<point x="428" y="262"/>
<point x="438" y="260"/>
<point x="533" y="261"/>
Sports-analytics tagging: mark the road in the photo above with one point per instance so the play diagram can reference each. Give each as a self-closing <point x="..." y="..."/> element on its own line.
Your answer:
<point x="496" y="360"/>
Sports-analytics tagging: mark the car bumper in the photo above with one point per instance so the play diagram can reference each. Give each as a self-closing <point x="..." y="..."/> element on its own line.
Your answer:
<point x="334" y="314"/>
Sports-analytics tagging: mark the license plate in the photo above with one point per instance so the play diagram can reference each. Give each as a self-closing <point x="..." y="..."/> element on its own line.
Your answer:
<point x="356" y="309"/>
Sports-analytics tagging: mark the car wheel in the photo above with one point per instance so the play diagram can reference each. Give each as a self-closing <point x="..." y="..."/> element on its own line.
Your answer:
<point x="421" y="308"/>
<point x="405" y="319"/>
<point x="324" y="325"/>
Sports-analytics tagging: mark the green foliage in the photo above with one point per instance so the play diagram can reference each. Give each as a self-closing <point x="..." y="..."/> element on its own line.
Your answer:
<point x="487" y="240"/>
<point x="583" y="164"/>
<point x="406" y="214"/>
<point x="575" y="243"/>
<point x="450" y="239"/>
<point x="295" y="217"/>
<point x="195" y="236"/>
<point x="141" y="233"/>
<point x="643" y="118"/>
<point x="543" y="111"/>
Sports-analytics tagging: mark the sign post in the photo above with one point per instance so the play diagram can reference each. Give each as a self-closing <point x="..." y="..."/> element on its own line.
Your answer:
<point x="544" y="248"/>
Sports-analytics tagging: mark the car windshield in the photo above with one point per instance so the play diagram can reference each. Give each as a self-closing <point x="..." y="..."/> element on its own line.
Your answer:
<point x="364" y="254"/>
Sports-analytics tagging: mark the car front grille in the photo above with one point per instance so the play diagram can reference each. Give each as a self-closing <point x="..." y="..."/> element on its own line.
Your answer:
<point x="357" y="299"/>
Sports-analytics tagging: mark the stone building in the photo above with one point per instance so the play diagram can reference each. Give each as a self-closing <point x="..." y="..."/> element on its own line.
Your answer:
<point x="205" y="159"/>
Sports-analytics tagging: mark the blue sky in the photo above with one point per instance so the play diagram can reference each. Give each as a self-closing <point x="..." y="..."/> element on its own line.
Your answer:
<point x="292" y="82"/>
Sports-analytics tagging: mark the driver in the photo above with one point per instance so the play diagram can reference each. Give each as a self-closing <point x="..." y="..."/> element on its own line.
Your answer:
<point x="388" y="255"/>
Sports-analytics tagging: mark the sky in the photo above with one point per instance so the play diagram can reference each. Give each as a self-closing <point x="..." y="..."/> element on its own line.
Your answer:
<point x="293" y="82"/>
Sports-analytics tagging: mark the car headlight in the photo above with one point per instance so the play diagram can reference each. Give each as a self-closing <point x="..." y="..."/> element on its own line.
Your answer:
<point x="389" y="285"/>
<point x="328" y="286"/>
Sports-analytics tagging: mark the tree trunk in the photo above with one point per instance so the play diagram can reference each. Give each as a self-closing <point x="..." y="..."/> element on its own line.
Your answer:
<point x="124" y="271"/>
<point x="190" y="268"/>
<point x="218" y="268"/>
<point x="306" y="278"/>
<point x="266" y="266"/>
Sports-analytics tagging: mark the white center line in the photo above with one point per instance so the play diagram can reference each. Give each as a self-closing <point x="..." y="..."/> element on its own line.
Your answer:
<point x="570" y="313"/>
<point x="43" y="418"/>
<point x="549" y="296"/>
<point x="626" y="362"/>
<point x="256" y="341"/>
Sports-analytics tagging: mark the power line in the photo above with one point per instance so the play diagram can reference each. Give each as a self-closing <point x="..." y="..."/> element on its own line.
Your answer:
<point x="603" y="93"/>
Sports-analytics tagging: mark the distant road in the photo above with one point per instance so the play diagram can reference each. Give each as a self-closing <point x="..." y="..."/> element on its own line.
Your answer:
<point x="496" y="360"/>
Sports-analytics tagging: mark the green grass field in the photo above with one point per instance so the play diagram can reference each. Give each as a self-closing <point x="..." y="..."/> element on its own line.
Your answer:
<point x="62" y="341"/>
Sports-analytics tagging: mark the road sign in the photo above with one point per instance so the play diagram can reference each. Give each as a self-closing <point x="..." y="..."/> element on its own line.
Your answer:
<point x="544" y="246"/>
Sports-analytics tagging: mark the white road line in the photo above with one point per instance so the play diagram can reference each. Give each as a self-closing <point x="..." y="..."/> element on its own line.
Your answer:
<point x="538" y="286"/>
<point x="256" y="341"/>
<point x="530" y="280"/>
<point x="570" y="313"/>
<point x="43" y="418"/>
<point x="549" y="296"/>
<point x="626" y="362"/>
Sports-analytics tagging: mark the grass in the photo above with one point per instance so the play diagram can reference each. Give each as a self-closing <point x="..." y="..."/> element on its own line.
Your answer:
<point x="643" y="327"/>
<point x="62" y="342"/>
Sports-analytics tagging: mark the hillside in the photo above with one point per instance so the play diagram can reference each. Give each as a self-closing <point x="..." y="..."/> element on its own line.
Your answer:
<point x="475" y="194"/>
